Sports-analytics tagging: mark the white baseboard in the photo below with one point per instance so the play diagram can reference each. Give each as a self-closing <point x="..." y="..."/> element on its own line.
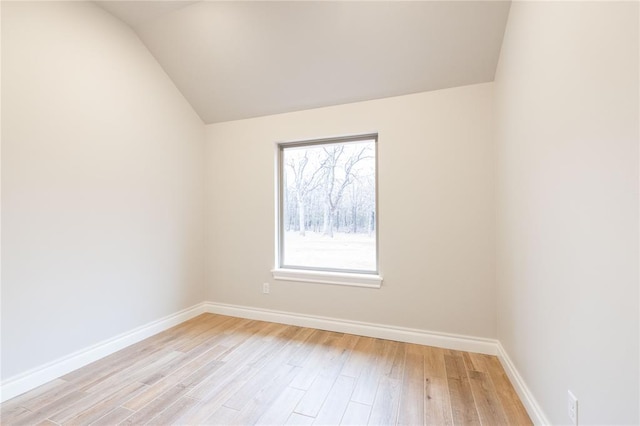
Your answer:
<point x="527" y="398"/>
<point x="35" y="377"/>
<point x="380" y="331"/>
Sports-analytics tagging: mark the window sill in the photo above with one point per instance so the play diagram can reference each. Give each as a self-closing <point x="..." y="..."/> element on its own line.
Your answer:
<point x="323" y="277"/>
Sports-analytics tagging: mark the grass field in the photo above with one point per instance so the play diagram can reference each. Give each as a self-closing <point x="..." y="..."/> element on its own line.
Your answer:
<point x="343" y="251"/>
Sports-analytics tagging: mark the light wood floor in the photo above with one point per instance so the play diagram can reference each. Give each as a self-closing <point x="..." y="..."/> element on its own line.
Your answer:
<point x="215" y="369"/>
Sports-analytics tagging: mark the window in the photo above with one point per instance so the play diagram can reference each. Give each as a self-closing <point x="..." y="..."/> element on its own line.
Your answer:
<point x="327" y="211"/>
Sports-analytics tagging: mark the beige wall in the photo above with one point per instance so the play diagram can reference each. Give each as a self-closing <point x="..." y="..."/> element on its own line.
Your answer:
<point x="567" y="134"/>
<point x="436" y="211"/>
<point x="102" y="184"/>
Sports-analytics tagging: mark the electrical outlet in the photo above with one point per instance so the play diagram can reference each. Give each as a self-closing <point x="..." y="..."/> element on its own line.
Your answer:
<point x="573" y="408"/>
<point x="265" y="288"/>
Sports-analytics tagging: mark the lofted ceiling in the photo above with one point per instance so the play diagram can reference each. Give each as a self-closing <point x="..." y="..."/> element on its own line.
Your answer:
<point x="237" y="59"/>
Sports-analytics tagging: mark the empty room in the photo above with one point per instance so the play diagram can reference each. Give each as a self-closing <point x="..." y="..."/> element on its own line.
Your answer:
<point x="320" y="212"/>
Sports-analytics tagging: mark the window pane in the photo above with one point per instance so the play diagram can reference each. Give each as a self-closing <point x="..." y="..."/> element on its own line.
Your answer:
<point x="329" y="206"/>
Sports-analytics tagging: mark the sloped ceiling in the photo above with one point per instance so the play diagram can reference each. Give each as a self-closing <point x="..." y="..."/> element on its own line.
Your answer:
<point x="235" y="60"/>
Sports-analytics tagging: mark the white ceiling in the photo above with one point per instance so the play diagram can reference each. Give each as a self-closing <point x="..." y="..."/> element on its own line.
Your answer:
<point x="237" y="59"/>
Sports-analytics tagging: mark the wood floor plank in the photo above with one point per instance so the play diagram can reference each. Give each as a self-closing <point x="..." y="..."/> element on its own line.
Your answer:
<point x="176" y="363"/>
<point x="221" y="388"/>
<point x="136" y="372"/>
<point x="486" y="399"/>
<point x="387" y="364"/>
<point x="252" y="411"/>
<point x="296" y="419"/>
<point x="222" y="416"/>
<point x="397" y="366"/>
<point x="151" y="410"/>
<point x="367" y="383"/>
<point x="49" y="399"/>
<point x="212" y="334"/>
<point x="34" y="398"/>
<point x="265" y="374"/>
<point x="359" y="357"/>
<point x="14" y="414"/>
<point x="134" y="352"/>
<point x="113" y="417"/>
<point x="103" y="406"/>
<point x="478" y="362"/>
<point x="437" y="402"/>
<point x="434" y="365"/>
<point x="463" y="407"/>
<point x="44" y="412"/>
<point x="173" y="413"/>
<point x="335" y="404"/>
<point x="507" y="396"/>
<point x="219" y="393"/>
<point x="316" y="357"/>
<point x="46" y="423"/>
<point x="412" y="398"/>
<point x="310" y="348"/>
<point x="99" y="379"/>
<point x="356" y="414"/>
<point x="386" y="404"/>
<point x="240" y="365"/>
<point x="189" y="375"/>
<point x="282" y="407"/>
<point x="328" y="370"/>
<point x="216" y="369"/>
<point x="472" y="363"/>
<point x="245" y="337"/>
<point x="237" y="366"/>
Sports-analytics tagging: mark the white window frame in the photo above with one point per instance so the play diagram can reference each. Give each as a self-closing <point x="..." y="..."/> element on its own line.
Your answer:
<point x="369" y="279"/>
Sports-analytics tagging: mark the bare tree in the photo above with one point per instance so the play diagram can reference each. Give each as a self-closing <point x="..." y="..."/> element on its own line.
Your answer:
<point x="303" y="183"/>
<point x="338" y="175"/>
